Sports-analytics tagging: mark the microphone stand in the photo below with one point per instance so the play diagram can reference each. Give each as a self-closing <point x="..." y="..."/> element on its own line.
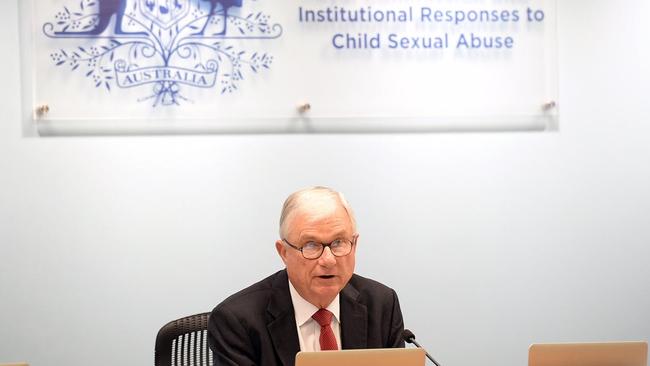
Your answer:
<point x="410" y="338"/>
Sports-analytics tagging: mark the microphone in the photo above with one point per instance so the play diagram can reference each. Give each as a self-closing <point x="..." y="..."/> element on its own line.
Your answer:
<point x="409" y="337"/>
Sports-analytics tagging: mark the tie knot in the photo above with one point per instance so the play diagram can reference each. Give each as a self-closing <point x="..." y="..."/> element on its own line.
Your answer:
<point x="323" y="317"/>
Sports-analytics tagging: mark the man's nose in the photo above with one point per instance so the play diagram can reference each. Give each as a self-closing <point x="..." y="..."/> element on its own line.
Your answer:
<point x="327" y="258"/>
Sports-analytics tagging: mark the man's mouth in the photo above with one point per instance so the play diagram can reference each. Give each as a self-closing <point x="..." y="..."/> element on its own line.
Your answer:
<point x="326" y="277"/>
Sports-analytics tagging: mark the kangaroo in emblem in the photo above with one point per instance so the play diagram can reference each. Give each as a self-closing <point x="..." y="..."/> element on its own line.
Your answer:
<point x="106" y="10"/>
<point x="225" y="4"/>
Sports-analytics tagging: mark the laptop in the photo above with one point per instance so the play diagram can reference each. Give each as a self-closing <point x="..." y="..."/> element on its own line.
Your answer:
<point x="589" y="354"/>
<point x="363" y="357"/>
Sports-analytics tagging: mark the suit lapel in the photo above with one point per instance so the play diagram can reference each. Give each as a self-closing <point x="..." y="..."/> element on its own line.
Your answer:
<point x="282" y="321"/>
<point x="354" y="319"/>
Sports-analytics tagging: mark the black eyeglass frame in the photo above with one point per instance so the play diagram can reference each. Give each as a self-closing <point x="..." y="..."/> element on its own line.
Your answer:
<point x="323" y="246"/>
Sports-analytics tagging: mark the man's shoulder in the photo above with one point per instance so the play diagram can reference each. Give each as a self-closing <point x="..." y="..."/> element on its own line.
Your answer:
<point x="256" y="295"/>
<point x="367" y="286"/>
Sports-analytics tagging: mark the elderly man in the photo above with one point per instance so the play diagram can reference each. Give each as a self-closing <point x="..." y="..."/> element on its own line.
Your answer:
<point x="316" y="303"/>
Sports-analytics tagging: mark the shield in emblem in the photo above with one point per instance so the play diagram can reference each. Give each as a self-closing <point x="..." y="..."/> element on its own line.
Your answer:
<point x="164" y="13"/>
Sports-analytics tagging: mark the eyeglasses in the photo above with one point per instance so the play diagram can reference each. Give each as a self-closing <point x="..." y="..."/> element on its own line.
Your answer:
<point x="313" y="250"/>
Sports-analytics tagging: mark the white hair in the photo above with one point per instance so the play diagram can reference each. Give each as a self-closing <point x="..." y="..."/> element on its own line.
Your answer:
<point x="296" y="199"/>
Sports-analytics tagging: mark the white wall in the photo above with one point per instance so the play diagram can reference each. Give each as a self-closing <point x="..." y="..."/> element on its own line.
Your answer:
<point x="493" y="241"/>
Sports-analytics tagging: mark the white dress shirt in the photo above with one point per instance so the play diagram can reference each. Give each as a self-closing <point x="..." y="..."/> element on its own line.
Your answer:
<point x="308" y="328"/>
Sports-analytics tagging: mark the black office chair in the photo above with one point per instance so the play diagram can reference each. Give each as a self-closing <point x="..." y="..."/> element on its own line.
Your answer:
<point x="184" y="342"/>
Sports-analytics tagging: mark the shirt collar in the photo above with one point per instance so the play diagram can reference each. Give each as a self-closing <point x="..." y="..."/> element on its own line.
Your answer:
<point x="303" y="309"/>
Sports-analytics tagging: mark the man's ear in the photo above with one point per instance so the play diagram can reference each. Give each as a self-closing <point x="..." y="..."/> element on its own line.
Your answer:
<point x="282" y="250"/>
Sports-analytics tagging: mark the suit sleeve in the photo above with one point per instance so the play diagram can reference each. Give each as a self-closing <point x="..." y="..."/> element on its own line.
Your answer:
<point x="395" y="339"/>
<point x="229" y="340"/>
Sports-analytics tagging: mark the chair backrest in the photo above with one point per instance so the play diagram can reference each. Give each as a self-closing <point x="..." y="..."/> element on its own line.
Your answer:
<point x="184" y="342"/>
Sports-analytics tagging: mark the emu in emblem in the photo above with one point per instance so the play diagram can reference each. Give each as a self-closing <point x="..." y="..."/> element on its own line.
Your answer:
<point x="225" y="4"/>
<point x="106" y="10"/>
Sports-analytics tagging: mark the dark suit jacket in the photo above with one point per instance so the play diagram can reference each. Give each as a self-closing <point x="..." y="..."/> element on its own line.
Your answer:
<point x="257" y="326"/>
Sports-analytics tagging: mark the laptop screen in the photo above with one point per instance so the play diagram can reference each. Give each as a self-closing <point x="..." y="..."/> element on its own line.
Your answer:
<point x="589" y="354"/>
<point x="363" y="357"/>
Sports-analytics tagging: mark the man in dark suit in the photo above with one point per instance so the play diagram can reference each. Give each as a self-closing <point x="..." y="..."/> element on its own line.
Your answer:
<point x="316" y="303"/>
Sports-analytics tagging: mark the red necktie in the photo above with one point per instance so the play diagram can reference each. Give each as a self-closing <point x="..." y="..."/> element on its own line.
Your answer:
<point x="327" y="340"/>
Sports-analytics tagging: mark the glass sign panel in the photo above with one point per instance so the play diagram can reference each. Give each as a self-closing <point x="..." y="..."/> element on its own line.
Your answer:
<point x="187" y="66"/>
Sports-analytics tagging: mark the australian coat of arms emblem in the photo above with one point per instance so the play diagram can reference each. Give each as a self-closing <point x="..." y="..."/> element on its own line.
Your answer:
<point x="162" y="46"/>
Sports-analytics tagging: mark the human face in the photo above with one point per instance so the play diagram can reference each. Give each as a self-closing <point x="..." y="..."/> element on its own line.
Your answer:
<point x="318" y="280"/>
